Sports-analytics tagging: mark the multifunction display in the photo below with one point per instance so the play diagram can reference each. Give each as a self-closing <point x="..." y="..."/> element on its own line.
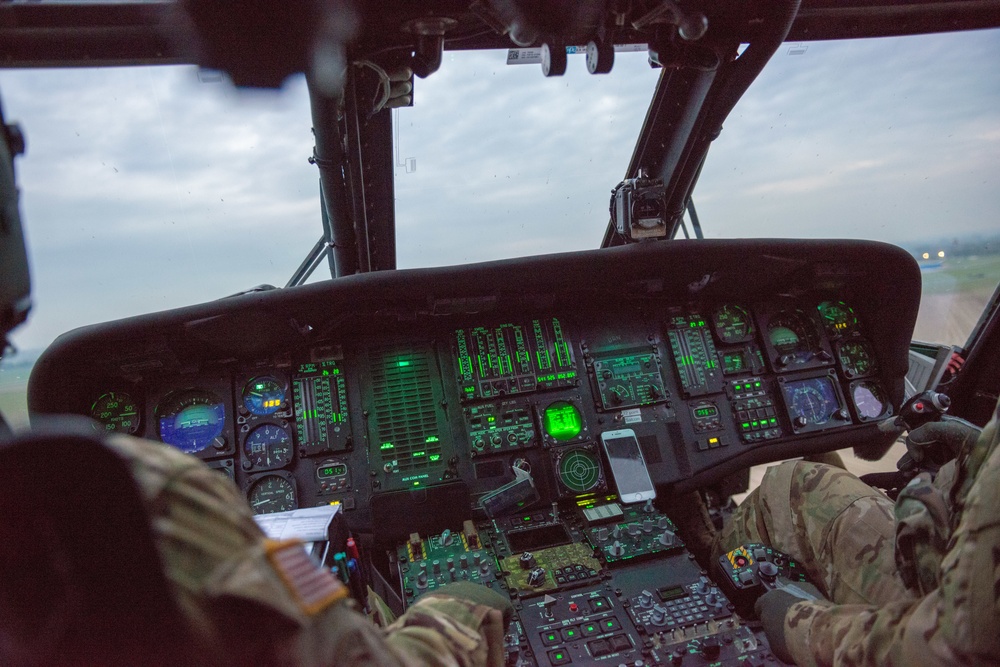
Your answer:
<point x="513" y="359"/>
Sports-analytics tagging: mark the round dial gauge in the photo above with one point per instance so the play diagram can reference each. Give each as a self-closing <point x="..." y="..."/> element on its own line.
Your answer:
<point x="838" y="318"/>
<point x="869" y="400"/>
<point x="117" y="412"/>
<point x="813" y="402"/>
<point x="732" y="324"/>
<point x="268" y="446"/>
<point x="579" y="471"/>
<point x="192" y="420"/>
<point x="856" y="358"/>
<point x="272" y="493"/>
<point x="791" y="334"/>
<point x="263" y="395"/>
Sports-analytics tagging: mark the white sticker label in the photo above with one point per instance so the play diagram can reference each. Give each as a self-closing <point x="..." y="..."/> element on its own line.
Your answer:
<point x="632" y="416"/>
<point x="533" y="56"/>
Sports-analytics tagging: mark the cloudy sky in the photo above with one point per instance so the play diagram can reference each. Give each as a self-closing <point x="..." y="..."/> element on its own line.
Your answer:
<point x="149" y="188"/>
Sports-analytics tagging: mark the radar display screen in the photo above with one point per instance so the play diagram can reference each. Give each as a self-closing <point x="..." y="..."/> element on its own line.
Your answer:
<point x="320" y="396"/>
<point x="579" y="470"/>
<point x="629" y="380"/>
<point x="513" y="359"/>
<point x="694" y="355"/>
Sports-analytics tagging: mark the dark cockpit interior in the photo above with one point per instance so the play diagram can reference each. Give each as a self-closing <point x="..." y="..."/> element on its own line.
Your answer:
<point x="465" y="419"/>
<point x="475" y="400"/>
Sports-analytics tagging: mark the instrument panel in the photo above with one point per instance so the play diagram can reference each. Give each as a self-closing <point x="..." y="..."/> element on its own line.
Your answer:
<point x="457" y="416"/>
<point x="411" y="380"/>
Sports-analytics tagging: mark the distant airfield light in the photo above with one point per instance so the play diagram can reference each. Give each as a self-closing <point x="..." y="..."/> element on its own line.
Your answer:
<point x="927" y="255"/>
<point x="940" y="253"/>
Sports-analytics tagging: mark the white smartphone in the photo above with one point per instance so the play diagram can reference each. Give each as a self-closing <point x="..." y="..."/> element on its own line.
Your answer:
<point x="628" y="466"/>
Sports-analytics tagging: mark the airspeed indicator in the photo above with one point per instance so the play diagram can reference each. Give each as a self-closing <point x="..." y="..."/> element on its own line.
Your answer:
<point x="117" y="412"/>
<point x="732" y="324"/>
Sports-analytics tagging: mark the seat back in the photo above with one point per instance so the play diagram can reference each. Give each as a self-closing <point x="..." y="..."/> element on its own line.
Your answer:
<point x="81" y="580"/>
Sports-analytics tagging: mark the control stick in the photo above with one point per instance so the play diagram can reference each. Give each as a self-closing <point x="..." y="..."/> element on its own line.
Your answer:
<point x="927" y="406"/>
<point x="923" y="408"/>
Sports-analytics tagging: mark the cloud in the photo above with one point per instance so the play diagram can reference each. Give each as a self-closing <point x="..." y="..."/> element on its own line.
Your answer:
<point x="145" y="189"/>
<point x="516" y="162"/>
<point x="876" y="138"/>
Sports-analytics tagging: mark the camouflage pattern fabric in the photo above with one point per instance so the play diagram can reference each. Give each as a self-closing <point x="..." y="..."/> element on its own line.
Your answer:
<point x="241" y="608"/>
<point x="839" y="528"/>
<point x="912" y="584"/>
<point x="922" y="532"/>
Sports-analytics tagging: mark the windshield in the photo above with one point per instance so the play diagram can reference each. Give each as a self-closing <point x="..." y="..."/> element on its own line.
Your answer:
<point x="156" y="187"/>
<point x="893" y="140"/>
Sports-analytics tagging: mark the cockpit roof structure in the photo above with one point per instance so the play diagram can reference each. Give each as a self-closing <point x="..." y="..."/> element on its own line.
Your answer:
<point x="709" y="53"/>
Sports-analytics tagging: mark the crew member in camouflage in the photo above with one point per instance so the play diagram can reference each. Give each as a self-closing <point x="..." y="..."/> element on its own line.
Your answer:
<point x="915" y="582"/>
<point x="250" y="600"/>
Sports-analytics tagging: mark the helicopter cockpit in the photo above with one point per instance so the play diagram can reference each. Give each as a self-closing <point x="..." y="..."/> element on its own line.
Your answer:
<point x="526" y="423"/>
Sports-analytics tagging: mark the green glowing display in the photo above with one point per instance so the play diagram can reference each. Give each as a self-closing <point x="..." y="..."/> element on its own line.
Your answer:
<point x="733" y="362"/>
<point x="509" y="358"/>
<point x="838" y="317"/>
<point x="562" y="420"/>
<point x="332" y="471"/>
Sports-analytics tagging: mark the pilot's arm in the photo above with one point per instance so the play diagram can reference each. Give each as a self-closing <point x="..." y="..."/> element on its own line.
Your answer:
<point x="250" y="600"/>
<point x="954" y="617"/>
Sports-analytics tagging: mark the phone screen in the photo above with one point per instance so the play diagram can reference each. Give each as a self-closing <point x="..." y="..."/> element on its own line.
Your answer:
<point x="628" y="467"/>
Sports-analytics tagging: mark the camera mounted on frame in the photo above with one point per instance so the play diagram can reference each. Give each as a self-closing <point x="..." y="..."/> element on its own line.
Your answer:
<point x="638" y="209"/>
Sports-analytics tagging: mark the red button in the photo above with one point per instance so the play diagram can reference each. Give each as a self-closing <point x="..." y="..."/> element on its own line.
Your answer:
<point x="573" y="608"/>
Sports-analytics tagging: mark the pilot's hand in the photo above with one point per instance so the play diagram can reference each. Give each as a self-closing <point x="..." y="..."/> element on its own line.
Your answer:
<point x="478" y="594"/>
<point x="936" y="443"/>
<point x="772" y="607"/>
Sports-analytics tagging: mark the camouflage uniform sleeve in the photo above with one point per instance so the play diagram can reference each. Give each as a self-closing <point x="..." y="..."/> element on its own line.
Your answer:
<point x="447" y="633"/>
<point x="435" y="627"/>
<point x="954" y="623"/>
<point x="231" y="586"/>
